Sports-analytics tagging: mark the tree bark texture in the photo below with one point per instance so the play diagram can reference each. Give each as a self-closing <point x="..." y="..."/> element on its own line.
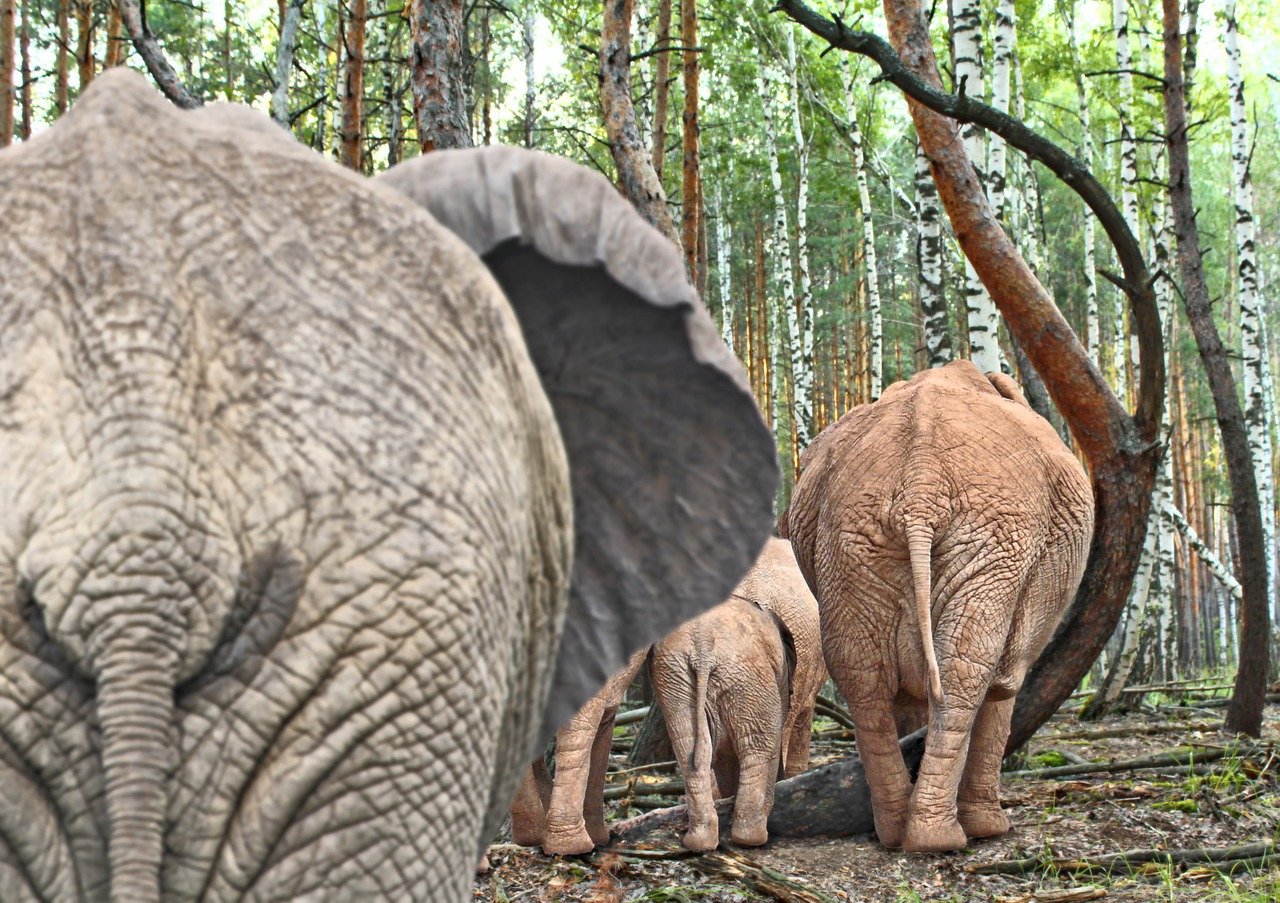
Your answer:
<point x="153" y="57"/>
<point x="353" y="87"/>
<point x="661" y="85"/>
<point x="436" y="58"/>
<point x="8" y="19"/>
<point x="284" y="62"/>
<point x="636" y="175"/>
<point x="691" y="180"/>
<point x="1122" y="449"/>
<point x="1244" y="715"/>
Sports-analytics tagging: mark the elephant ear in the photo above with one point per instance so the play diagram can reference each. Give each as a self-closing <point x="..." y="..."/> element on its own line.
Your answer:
<point x="672" y="466"/>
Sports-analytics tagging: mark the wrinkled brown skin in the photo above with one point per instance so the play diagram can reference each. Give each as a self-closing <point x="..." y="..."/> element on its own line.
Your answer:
<point x="961" y="463"/>
<point x="566" y="817"/>
<point x="738" y="698"/>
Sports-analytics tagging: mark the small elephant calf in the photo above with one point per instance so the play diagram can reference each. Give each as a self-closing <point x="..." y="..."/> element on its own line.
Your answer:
<point x="737" y="686"/>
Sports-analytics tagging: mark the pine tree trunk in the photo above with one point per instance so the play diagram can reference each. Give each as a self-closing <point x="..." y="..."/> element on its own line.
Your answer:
<point x="353" y="86"/>
<point x="802" y="362"/>
<point x="24" y="71"/>
<point x="636" y="175"/>
<point x="661" y="88"/>
<point x="7" y="47"/>
<point x="984" y="324"/>
<point x="116" y="48"/>
<point x="1252" y="305"/>
<point x="871" y="273"/>
<point x="438" y="40"/>
<point x="530" y="79"/>
<point x="85" y="63"/>
<point x="1245" y="712"/>
<point x="690" y="197"/>
<point x="62" y="60"/>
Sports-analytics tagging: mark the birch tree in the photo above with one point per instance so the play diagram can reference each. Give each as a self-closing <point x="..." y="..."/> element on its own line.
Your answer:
<point x="984" y="345"/>
<point x="284" y="62"/>
<point x="724" y="236"/>
<point x="1001" y="76"/>
<point x="1128" y="174"/>
<point x="802" y="335"/>
<point x="1087" y="155"/>
<point x="871" y="273"/>
<point x="933" y="300"/>
<point x="530" y="76"/>
<point x="779" y="254"/>
<point x="1252" y="347"/>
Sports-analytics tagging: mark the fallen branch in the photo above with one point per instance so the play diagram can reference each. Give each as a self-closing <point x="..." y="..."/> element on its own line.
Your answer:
<point x="827" y="710"/>
<point x="631" y="717"/>
<point x="1175" y="758"/>
<point x="830" y="801"/>
<point x="1129" y="860"/>
<point x="633" y="787"/>
<point x="1223" y="702"/>
<point x="1135" y="730"/>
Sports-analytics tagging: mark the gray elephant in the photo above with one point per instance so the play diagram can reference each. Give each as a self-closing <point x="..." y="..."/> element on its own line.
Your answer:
<point x="944" y="529"/>
<point x="319" y="511"/>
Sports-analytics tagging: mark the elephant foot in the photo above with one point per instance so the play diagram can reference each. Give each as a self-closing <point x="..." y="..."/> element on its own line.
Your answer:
<point x="702" y="839"/>
<point x="752" y="834"/>
<point x="890" y="827"/>
<point x="526" y="837"/>
<point x="483" y="867"/>
<point x="568" y="843"/>
<point x="933" y="837"/>
<point x="599" y="834"/>
<point x="983" y="820"/>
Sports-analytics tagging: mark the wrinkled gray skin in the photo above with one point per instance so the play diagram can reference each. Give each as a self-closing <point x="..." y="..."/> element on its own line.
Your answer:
<point x="288" y="518"/>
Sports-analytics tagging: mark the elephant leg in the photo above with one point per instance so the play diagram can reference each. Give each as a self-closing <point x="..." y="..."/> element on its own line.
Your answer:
<point x="978" y="805"/>
<point x="529" y="808"/>
<point x="796" y="743"/>
<point x="593" y="805"/>
<point x="757" y="739"/>
<point x="969" y="636"/>
<point x="567" y="833"/>
<point x="691" y="743"/>
<point x="871" y="705"/>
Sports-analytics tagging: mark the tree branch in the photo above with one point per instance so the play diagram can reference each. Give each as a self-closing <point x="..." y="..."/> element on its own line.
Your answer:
<point x="153" y="56"/>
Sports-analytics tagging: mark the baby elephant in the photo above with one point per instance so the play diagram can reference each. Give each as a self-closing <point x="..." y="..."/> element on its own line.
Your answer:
<point x="737" y="687"/>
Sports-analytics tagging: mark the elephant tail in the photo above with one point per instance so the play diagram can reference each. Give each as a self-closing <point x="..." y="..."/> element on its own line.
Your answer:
<point x="920" y="548"/>
<point x="701" y="720"/>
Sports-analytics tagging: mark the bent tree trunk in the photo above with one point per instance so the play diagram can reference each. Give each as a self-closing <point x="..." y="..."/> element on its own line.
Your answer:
<point x="1122" y="449"/>
<point x="1245" y="713"/>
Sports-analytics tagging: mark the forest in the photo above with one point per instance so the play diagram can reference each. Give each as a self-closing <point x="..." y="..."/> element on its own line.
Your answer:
<point x="1124" y="153"/>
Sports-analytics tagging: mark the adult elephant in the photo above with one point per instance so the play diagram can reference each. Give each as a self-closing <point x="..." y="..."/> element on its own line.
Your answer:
<point x="297" y="486"/>
<point x="943" y="528"/>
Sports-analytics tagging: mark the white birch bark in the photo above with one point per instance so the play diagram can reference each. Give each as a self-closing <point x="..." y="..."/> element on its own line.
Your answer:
<point x="1128" y="178"/>
<point x="1004" y="41"/>
<point x="802" y="335"/>
<point x="779" y="254"/>
<point x="1252" y="347"/>
<point x="284" y="62"/>
<point x="1087" y="156"/>
<point x="984" y="333"/>
<point x="724" y="235"/>
<point x="530" y="77"/>
<point x="1221" y="571"/>
<point x="1029" y="188"/>
<point x="871" y="272"/>
<point x="933" y="301"/>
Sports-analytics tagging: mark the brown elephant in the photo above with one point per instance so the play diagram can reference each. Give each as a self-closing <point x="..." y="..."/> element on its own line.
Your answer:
<point x="943" y="528"/>
<point x="737" y="686"/>
<point x="566" y="816"/>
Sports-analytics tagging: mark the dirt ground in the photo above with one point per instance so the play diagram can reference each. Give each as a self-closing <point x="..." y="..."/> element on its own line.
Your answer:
<point x="1237" y="801"/>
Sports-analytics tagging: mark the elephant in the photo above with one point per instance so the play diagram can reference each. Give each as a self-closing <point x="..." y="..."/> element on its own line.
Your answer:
<point x="566" y="816"/>
<point x="325" y="500"/>
<point x="943" y="528"/>
<point x="737" y="687"/>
